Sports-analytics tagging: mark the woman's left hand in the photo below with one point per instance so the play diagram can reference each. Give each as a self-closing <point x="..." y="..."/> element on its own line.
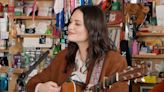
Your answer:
<point x="88" y="88"/>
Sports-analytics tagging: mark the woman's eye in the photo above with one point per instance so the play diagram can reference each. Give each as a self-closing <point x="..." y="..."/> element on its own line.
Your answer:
<point x="77" y="24"/>
<point x="69" y="22"/>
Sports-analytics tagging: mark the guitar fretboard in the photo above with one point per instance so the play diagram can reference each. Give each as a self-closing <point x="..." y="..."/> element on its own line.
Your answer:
<point x="106" y="83"/>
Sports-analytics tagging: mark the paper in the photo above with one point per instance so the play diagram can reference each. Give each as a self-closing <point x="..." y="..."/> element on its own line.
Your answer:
<point x="114" y="34"/>
<point x="162" y="2"/>
<point x="3" y="24"/>
<point x="160" y="15"/>
<point x="34" y="42"/>
<point x="58" y="6"/>
<point x="4" y="35"/>
<point x="2" y="55"/>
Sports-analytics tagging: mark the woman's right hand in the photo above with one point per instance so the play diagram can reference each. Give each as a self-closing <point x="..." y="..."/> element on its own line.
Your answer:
<point x="49" y="87"/>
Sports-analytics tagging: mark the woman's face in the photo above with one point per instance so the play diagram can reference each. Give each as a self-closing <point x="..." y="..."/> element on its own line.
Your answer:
<point x="76" y="30"/>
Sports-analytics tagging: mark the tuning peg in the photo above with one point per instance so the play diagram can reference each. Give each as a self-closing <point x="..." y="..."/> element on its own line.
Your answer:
<point x="139" y="66"/>
<point x="139" y="80"/>
<point x="135" y="80"/>
<point x="124" y="78"/>
<point x="131" y="69"/>
<point x="131" y="75"/>
<point x="139" y="74"/>
<point x="124" y="71"/>
<point x="142" y="79"/>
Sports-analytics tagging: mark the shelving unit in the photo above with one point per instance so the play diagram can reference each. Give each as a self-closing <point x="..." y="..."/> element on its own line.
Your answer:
<point x="116" y="22"/>
<point x="150" y="47"/>
<point x="149" y="37"/>
<point x="27" y="20"/>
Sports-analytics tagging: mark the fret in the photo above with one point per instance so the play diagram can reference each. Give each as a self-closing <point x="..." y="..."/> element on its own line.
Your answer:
<point x="96" y="87"/>
<point x="107" y="81"/>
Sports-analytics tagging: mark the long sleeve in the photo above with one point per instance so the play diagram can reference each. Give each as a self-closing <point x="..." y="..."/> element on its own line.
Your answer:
<point x="39" y="78"/>
<point x="54" y="72"/>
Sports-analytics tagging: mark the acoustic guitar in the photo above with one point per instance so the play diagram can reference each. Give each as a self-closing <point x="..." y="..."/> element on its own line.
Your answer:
<point x="127" y="74"/>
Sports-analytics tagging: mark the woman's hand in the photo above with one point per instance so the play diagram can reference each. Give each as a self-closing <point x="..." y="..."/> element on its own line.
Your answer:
<point x="88" y="88"/>
<point x="49" y="87"/>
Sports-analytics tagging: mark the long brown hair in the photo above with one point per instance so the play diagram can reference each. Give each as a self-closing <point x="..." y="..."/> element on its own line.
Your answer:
<point x="99" y="41"/>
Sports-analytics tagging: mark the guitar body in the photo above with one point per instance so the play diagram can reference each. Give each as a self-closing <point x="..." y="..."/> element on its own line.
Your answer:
<point x="71" y="86"/>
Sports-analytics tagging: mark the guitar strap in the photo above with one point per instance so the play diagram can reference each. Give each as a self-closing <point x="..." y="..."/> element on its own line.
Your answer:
<point x="96" y="72"/>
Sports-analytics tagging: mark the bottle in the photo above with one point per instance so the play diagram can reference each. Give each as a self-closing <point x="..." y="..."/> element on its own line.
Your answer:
<point x="1" y="10"/>
<point x="19" y="63"/>
<point x="56" y="49"/>
<point x="22" y="28"/>
<point x="11" y="6"/>
<point x="62" y="41"/>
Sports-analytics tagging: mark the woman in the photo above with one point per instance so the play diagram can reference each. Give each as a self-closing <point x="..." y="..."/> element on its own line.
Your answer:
<point x="89" y="45"/>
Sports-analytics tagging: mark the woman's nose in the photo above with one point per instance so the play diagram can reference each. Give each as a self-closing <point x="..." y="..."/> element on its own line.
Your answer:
<point x="70" y="26"/>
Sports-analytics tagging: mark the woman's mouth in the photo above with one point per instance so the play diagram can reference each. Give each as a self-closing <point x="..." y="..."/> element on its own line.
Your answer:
<point x="69" y="33"/>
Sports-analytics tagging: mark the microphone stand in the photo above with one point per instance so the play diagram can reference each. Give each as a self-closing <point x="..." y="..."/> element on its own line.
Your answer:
<point x="23" y="76"/>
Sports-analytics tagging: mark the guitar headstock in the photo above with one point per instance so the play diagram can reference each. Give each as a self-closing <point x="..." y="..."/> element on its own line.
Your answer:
<point x="132" y="72"/>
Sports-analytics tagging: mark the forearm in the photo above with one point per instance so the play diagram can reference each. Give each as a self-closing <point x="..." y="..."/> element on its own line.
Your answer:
<point x="37" y="87"/>
<point x="39" y="78"/>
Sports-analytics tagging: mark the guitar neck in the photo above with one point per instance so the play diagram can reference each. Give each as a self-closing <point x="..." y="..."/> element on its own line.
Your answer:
<point x="127" y="74"/>
<point x="106" y="83"/>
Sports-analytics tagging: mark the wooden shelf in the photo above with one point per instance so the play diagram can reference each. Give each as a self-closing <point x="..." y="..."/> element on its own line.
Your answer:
<point x="4" y="1"/>
<point x="4" y="50"/>
<point x="34" y="35"/>
<point x="36" y="17"/>
<point x="4" y="69"/>
<point x="161" y="47"/>
<point x="160" y="56"/>
<point x="149" y="34"/>
<point x="118" y="25"/>
<point x="149" y="28"/>
<point x="37" y="0"/>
